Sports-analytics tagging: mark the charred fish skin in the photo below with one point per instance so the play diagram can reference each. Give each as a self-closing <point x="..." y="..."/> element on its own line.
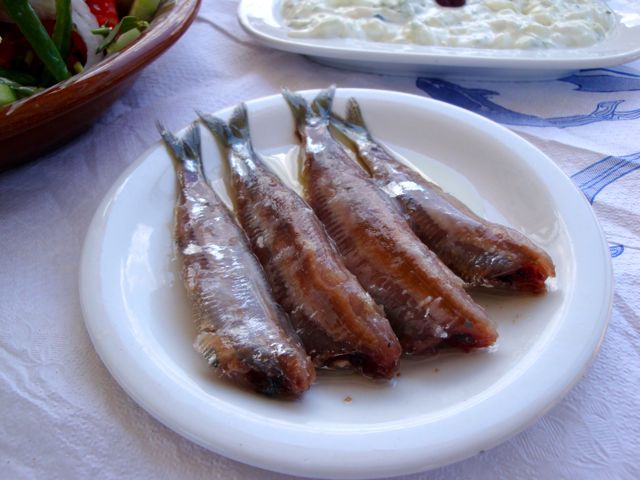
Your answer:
<point x="424" y="301"/>
<point x="337" y="321"/>
<point x="242" y="332"/>
<point x="480" y="252"/>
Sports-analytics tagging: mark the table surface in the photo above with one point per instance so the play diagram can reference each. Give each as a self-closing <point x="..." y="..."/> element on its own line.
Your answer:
<point x="63" y="415"/>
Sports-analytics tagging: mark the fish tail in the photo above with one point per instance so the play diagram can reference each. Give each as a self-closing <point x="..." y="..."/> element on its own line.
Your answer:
<point x="185" y="153"/>
<point x="175" y="145"/>
<point x="234" y="133"/>
<point x="319" y="112"/>
<point x="353" y="133"/>
<point x="239" y="124"/>
<point x="299" y="107"/>
<point x="351" y="129"/>
<point x="323" y="103"/>
<point x="218" y="128"/>
<point x="193" y="143"/>
<point x="354" y="116"/>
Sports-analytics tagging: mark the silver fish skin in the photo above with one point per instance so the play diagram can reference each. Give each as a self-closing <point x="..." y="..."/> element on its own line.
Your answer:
<point x="482" y="253"/>
<point x="338" y="322"/>
<point x="423" y="300"/>
<point x="242" y="332"/>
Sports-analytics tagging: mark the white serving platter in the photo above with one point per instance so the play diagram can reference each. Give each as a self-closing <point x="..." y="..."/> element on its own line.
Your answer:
<point x="263" y="21"/>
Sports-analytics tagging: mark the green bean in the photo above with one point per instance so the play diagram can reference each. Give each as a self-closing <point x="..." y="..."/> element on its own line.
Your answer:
<point x="23" y="92"/>
<point x="31" y="27"/>
<point x="62" y="31"/>
<point x="104" y="31"/>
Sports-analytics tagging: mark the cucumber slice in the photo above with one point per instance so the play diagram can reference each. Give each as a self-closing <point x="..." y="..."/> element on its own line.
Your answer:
<point x="6" y="95"/>
<point x="123" y="40"/>
<point x="144" y="9"/>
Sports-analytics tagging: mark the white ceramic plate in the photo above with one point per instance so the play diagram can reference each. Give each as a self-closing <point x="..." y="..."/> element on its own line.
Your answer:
<point x="440" y="409"/>
<point x="262" y="20"/>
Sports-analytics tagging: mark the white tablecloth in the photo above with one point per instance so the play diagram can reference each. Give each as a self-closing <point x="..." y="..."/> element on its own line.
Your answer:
<point x="63" y="416"/>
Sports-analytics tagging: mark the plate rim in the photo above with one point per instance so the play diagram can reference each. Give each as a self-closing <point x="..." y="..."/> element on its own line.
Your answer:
<point x="474" y="58"/>
<point x="94" y="315"/>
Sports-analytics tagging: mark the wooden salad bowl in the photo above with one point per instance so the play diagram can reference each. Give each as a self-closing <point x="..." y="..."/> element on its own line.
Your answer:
<point x="37" y="124"/>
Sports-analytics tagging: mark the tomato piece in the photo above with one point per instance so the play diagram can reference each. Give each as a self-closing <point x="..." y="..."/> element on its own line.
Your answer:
<point x="13" y="44"/>
<point x="14" y="48"/>
<point x="105" y="11"/>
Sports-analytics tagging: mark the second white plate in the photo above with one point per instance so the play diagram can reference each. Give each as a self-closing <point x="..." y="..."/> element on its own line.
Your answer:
<point x="262" y="20"/>
<point x="440" y="409"/>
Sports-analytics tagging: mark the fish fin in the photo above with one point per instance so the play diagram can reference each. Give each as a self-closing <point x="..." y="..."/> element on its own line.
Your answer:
<point x="298" y="105"/>
<point x="323" y="102"/>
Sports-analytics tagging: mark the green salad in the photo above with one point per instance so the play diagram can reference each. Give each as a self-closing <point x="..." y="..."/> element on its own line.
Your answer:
<point x="43" y="42"/>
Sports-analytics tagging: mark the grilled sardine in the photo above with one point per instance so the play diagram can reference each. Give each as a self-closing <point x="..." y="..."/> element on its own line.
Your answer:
<point x="424" y="301"/>
<point x="480" y="252"/>
<point x="336" y="319"/>
<point x="241" y="330"/>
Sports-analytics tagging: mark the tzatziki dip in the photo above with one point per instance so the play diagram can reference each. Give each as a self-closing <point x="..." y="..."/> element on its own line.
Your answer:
<point x="500" y="24"/>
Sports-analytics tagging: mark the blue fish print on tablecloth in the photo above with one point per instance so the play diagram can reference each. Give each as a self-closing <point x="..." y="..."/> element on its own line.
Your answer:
<point x="594" y="178"/>
<point x="597" y="176"/>
<point x="604" y="80"/>
<point x="616" y="250"/>
<point x="480" y="101"/>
